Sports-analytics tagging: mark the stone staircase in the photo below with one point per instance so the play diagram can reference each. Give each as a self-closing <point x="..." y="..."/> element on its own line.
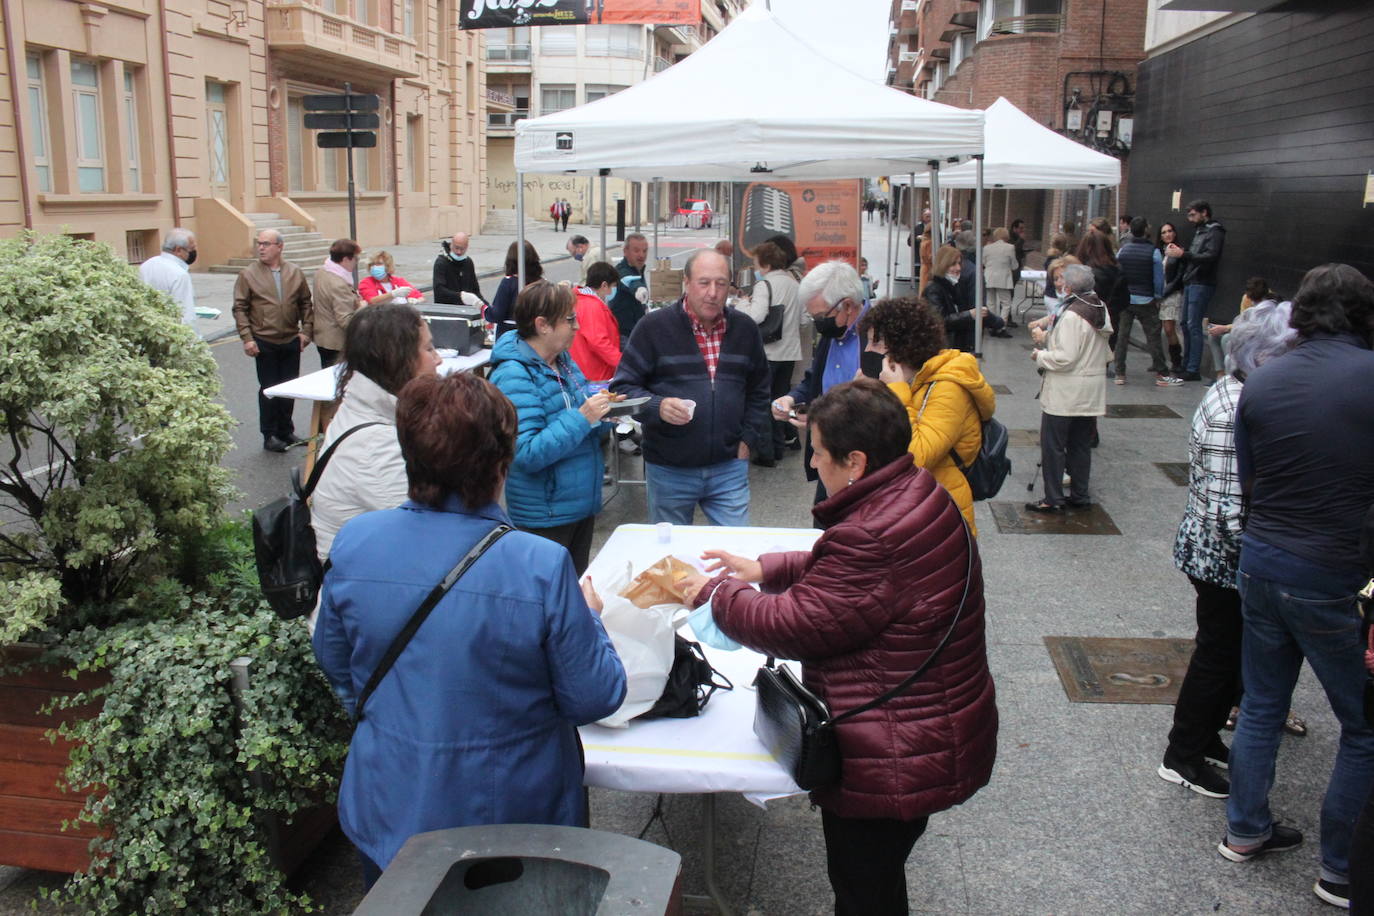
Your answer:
<point x="304" y="249"/>
<point x="502" y="222"/>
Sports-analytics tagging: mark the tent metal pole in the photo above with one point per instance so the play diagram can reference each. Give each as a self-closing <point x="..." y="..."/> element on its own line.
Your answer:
<point x="1116" y="196"/>
<point x="520" y="229"/>
<point x="653" y="198"/>
<point x="979" y="298"/>
<point x="890" y="262"/>
<point x="909" y="198"/>
<point x="1092" y="207"/>
<point x="603" y="212"/>
<point x="937" y="237"/>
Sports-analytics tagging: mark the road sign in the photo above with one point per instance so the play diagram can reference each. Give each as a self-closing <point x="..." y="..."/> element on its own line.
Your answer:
<point x="362" y="139"/>
<point x="353" y="101"/>
<point x="343" y="121"/>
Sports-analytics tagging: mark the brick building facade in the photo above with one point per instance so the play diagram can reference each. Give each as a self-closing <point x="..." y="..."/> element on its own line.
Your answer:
<point x="1069" y="64"/>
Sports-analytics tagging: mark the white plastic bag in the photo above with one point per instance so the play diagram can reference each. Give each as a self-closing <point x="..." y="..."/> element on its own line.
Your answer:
<point x="643" y="638"/>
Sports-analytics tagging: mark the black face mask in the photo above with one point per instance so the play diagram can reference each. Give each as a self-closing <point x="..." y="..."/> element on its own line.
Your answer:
<point x="826" y="327"/>
<point x="190" y="257"/>
<point x="871" y="363"/>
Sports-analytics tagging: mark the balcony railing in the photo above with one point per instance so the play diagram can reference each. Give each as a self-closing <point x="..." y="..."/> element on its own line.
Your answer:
<point x="519" y="54"/>
<point x="661" y="64"/>
<point x="505" y="120"/>
<point x="497" y="97"/>
<point x="310" y="34"/>
<point x="1020" y="25"/>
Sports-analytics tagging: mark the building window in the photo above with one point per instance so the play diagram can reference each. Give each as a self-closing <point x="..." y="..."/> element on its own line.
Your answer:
<point x="295" y="143"/>
<point x="556" y="98"/>
<point x="138" y="243"/>
<point x="598" y="91"/>
<point x="470" y="82"/>
<point x="442" y="36"/>
<point x="510" y="44"/>
<point x="38" y="123"/>
<point x="615" y="41"/>
<point x="90" y="152"/>
<point x="415" y="152"/>
<point x="408" y="18"/>
<point x="558" y="40"/>
<point x="960" y="50"/>
<point x="1015" y="17"/>
<point x="131" y="117"/>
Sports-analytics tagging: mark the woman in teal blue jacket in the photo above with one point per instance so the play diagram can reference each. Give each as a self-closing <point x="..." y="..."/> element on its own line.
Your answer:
<point x="554" y="487"/>
<point x="476" y="722"/>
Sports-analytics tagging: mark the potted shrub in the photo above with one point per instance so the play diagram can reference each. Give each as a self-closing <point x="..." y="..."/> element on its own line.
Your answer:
<point x="120" y="574"/>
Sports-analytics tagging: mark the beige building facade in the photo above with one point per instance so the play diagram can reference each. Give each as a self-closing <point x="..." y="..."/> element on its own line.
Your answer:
<point x="120" y="119"/>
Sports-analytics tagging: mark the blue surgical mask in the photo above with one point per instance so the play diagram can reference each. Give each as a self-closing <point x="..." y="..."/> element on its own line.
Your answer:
<point x="758" y="276"/>
<point x="460" y="258"/>
<point x="378" y="271"/>
<point x="578" y="257"/>
<point x="703" y="624"/>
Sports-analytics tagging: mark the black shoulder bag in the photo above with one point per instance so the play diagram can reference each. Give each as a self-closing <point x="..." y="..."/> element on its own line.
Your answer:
<point x="289" y="570"/>
<point x="422" y="613"/>
<point x="771" y="328"/>
<point x="796" y="725"/>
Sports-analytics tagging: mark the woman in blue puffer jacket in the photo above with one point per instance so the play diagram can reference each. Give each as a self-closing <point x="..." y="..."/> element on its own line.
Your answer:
<point x="554" y="487"/>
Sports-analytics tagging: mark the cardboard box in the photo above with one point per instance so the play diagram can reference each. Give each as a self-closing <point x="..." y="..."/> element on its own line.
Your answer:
<point x="665" y="282"/>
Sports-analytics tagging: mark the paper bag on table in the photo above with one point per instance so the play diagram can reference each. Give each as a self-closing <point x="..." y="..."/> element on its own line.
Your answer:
<point x="643" y="638"/>
<point x="659" y="584"/>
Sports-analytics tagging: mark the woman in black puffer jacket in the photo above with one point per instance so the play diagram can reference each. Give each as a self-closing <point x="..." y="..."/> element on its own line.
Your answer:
<point x="942" y="294"/>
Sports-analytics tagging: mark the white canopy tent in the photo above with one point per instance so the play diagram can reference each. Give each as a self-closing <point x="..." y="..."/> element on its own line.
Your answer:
<point x="1021" y="153"/>
<point x="754" y="103"/>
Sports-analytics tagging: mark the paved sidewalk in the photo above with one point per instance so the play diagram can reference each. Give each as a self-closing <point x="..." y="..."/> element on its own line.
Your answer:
<point x="415" y="262"/>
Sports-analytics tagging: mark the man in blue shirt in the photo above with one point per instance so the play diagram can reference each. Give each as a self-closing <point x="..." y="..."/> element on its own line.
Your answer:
<point x="1304" y="437"/>
<point x="833" y="295"/>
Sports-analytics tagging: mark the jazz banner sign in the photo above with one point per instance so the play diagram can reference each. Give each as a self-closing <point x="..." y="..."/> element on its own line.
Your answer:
<point x="504" y="14"/>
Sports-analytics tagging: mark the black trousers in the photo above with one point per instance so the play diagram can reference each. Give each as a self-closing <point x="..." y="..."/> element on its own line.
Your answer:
<point x="1209" y="688"/>
<point x="328" y="357"/>
<point x="866" y="859"/>
<point x="780" y="384"/>
<point x="1066" y="442"/>
<point x="576" y="536"/>
<point x="1362" y="862"/>
<point x="276" y="363"/>
<point x="1148" y="314"/>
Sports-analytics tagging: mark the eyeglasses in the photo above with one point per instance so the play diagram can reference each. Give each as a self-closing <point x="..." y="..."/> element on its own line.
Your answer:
<point x="268" y="244"/>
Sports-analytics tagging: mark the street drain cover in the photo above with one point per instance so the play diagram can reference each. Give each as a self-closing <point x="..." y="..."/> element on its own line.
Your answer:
<point x="1176" y="471"/>
<point x="1109" y="670"/>
<point x="1141" y="412"/>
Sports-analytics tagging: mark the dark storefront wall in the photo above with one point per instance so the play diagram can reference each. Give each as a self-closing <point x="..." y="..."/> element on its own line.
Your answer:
<point x="1271" y="121"/>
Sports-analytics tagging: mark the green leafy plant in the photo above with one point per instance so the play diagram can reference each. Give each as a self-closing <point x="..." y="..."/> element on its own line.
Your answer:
<point x="184" y="793"/>
<point x="111" y="435"/>
<point x="115" y="556"/>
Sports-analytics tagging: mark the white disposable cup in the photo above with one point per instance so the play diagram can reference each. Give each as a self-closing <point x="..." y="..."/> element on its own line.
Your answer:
<point x="691" y="408"/>
<point x="665" y="532"/>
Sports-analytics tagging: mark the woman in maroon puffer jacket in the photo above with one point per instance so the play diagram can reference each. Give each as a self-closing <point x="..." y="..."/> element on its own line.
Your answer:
<point x="862" y="611"/>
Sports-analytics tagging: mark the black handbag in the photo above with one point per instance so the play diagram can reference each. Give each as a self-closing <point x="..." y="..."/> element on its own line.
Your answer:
<point x="796" y="725"/>
<point x="289" y="570"/>
<point x="691" y="681"/>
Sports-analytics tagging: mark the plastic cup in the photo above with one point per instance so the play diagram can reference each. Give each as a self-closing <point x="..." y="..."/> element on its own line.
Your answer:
<point x="665" y="532"/>
<point x="691" y="408"/>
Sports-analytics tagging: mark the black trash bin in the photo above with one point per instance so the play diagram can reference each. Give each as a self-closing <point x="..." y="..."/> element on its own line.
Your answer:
<point x="526" y="868"/>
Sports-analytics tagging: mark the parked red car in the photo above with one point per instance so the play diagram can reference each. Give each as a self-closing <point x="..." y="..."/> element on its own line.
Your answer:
<point x="695" y="214"/>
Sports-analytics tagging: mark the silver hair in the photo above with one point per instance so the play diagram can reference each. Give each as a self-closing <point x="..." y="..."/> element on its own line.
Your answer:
<point x="1259" y="334"/>
<point x="276" y="236"/>
<point x="835" y="280"/>
<point x="178" y="238"/>
<point x="964" y="240"/>
<point x="1078" y="278"/>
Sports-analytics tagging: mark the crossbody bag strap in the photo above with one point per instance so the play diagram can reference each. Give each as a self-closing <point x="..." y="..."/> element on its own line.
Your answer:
<point x="422" y="612"/>
<point x="930" y="660"/>
<point x="323" y="461"/>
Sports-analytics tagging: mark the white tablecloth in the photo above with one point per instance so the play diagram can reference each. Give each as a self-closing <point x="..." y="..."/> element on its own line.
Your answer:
<point x="716" y="751"/>
<point x="321" y="385"/>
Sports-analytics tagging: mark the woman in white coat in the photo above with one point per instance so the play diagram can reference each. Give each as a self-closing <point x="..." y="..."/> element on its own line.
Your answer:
<point x="1072" y="360"/>
<point x="385" y="346"/>
<point x="999" y="271"/>
<point x="775" y="286"/>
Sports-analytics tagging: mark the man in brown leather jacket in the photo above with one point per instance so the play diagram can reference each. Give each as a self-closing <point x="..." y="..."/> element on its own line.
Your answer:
<point x="275" y="320"/>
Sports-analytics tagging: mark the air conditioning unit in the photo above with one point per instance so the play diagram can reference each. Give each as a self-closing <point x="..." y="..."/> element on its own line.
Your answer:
<point x="908" y="57"/>
<point x="908" y="5"/>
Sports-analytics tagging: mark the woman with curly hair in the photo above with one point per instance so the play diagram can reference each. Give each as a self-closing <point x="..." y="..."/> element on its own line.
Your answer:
<point x="944" y="393"/>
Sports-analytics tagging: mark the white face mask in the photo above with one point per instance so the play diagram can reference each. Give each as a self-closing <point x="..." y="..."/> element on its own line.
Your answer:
<point x="952" y="277"/>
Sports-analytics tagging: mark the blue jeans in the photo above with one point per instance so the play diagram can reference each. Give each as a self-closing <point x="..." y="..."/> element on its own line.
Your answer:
<point x="1284" y="625"/>
<point x="1196" y="298"/>
<point x="721" y="489"/>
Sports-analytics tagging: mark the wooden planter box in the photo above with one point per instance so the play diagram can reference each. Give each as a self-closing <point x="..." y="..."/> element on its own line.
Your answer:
<point x="33" y="808"/>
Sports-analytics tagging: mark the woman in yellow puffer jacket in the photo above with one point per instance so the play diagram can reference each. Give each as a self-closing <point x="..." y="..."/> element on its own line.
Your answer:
<point x="944" y="392"/>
